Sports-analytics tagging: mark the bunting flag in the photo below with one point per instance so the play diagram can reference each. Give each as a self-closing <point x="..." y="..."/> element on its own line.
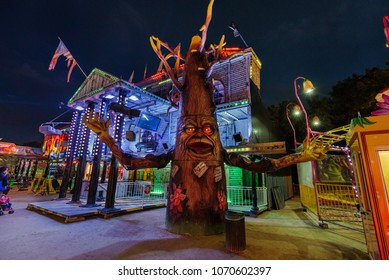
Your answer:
<point x="131" y="77"/>
<point x="234" y="29"/>
<point x="145" y="73"/>
<point x="63" y="50"/>
<point x="386" y="30"/>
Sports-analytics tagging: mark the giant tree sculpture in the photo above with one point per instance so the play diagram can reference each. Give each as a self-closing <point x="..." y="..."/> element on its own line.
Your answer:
<point x="197" y="188"/>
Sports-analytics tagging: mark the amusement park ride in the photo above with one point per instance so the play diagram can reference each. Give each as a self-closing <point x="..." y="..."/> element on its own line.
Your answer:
<point x="202" y="147"/>
<point x="367" y="153"/>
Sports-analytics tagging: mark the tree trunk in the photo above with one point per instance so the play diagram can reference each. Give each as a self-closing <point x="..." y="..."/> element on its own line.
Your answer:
<point x="197" y="189"/>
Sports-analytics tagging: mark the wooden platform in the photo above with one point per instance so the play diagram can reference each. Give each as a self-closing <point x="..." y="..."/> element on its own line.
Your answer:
<point x="73" y="212"/>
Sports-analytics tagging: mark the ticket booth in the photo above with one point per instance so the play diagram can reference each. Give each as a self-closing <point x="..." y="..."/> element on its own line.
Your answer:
<point x="369" y="145"/>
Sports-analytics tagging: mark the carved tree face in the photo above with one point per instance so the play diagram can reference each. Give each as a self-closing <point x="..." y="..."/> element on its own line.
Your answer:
<point x="199" y="135"/>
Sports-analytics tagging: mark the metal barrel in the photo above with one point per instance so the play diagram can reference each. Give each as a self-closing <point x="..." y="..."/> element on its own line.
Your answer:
<point x="235" y="231"/>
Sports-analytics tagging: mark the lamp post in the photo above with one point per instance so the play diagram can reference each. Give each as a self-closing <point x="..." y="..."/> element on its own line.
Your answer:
<point x="295" y="108"/>
<point x="307" y="87"/>
<point x="236" y="33"/>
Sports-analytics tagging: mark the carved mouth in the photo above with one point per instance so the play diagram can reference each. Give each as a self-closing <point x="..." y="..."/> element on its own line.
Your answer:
<point x="200" y="147"/>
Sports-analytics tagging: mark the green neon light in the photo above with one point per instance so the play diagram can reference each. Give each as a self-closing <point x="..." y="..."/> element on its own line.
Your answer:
<point x="99" y="72"/>
<point x="105" y="75"/>
<point x="233" y="104"/>
<point x="165" y="81"/>
<point x="157" y="192"/>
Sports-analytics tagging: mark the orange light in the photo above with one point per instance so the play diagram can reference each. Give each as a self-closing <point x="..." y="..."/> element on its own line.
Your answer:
<point x="308" y="86"/>
<point x="316" y="120"/>
<point x="296" y="110"/>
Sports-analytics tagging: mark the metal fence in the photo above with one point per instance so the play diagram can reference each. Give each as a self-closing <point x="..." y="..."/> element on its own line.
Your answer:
<point x="238" y="197"/>
<point x="143" y="190"/>
<point x="241" y="197"/>
<point x="338" y="202"/>
<point x="139" y="192"/>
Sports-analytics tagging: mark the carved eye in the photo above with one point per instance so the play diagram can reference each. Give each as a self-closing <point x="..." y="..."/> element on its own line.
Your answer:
<point x="189" y="129"/>
<point x="207" y="129"/>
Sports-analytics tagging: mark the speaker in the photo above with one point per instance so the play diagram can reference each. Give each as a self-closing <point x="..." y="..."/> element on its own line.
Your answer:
<point x="130" y="135"/>
<point x="119" y="108"/>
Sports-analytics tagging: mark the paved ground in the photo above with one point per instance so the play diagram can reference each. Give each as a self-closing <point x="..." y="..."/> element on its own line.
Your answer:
<point x="286" y="234"/>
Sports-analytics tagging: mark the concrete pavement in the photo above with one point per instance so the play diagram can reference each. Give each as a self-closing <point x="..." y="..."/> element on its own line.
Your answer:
<point x="286" y="234"/>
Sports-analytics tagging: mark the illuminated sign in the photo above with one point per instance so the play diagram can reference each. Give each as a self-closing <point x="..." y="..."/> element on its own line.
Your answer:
<point x="55" y="145"/>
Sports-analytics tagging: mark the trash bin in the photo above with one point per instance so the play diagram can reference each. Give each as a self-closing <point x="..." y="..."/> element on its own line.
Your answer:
<point x="235" y="232"/>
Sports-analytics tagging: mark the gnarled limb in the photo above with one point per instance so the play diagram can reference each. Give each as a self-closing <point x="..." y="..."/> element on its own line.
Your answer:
<point x="204" y="28"/>
<point x="312" y="151"/>
<point x="174" y="97"/>
<point x="215" y="51"/>
<point x="173" y="74"/>
<point x="100" y="127"/>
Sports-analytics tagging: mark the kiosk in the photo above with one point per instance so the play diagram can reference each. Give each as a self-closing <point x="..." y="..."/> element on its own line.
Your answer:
<point x="370" y="155"/>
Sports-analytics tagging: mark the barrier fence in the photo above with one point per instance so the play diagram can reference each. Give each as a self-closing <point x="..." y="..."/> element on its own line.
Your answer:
<point x="241" y="197"/>
<point x="338" y="202"/>
<point x="126" y="190"/>
<point x="140" y="192"/>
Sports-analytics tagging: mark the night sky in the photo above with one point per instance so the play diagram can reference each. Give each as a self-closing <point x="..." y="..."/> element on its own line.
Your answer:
<point x="324" y="40"/>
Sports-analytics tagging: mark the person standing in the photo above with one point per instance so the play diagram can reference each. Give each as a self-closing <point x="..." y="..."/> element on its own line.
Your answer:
<point x="4" y="187"/>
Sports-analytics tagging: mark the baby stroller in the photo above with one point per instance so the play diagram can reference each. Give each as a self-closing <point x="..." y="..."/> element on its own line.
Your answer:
<point x="5" y="205"/>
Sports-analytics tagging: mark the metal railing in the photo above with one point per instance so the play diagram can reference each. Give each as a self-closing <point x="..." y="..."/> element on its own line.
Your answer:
<point x="238" y="197"/>
<point x="139" y="192"/>
<point x="241" y="197"/>
<point x="337" y="202"/>
<point x="139" y="189"/>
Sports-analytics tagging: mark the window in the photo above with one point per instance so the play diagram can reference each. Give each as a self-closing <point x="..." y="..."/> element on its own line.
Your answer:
<point x="218" y="94"/>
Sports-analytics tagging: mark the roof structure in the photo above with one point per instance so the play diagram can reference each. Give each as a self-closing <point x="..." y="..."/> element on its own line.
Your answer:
<point x="100" y="84"/>
<point x="11" y="149"/>
<point x="96" y="82"/>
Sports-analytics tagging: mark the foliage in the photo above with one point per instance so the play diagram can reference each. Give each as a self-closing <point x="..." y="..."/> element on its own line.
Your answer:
<point x="277" y="115"/>
<point x="356" y="94"/>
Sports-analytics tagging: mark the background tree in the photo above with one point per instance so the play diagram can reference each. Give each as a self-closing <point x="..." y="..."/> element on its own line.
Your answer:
<point x="353" y="95"/>
<point x="320" y="106"/>
<point x="314" y="106"/>
<point x="356" y="94"/>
